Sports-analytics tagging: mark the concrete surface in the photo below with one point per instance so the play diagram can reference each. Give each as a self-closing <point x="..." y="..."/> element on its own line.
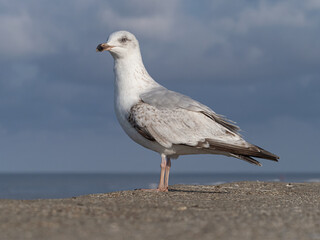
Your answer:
<point x="243" y="210"/>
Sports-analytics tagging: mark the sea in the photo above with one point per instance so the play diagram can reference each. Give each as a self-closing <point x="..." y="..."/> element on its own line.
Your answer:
<point x="26" y="186"/>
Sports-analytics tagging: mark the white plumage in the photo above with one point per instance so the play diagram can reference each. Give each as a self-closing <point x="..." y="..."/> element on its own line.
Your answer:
<point x="168" y="122"/>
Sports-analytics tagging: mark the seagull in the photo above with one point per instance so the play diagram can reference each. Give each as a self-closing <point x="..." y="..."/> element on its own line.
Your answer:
<point x="165" y="121"/>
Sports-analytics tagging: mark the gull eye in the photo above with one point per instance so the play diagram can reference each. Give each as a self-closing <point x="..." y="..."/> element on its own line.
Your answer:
<point x="123" y="39"/>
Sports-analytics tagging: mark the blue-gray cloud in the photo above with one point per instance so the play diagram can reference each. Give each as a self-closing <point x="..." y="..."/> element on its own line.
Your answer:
<point x="256" y="62"/>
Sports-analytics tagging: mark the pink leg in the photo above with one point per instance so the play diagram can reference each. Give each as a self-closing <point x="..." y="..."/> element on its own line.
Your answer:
<point x="163" y="184"/>
<point x="168" y="166"/>
<point x="163" y="165"/>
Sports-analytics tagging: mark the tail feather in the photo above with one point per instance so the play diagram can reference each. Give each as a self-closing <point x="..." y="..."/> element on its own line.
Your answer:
<point x="247" y="159"/>
<point x="262" y="153"/>
<point x="244" y="152"/>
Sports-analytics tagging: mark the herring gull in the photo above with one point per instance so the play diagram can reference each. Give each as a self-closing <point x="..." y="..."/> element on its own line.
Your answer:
<point x="165" y="121"/>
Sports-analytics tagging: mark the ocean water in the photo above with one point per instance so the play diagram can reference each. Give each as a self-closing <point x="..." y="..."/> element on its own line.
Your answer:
<point x="54" y="185"/>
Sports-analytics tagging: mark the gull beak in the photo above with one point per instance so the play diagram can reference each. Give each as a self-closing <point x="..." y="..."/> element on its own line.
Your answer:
<point x="104" y="47"/>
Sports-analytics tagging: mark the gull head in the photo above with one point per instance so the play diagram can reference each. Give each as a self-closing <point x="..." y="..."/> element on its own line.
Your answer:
<point x="120" y="44"/>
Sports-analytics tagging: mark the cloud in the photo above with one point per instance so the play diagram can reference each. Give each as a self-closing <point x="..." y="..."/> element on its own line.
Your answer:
<point x="20" y="36"/>
<point x="266" y="14"/>
<point x="150" y="19"/>
<point x="252" y="61"/>
<point x="246" y="44"/>
<point x="32" y="29"/>
<point x="242" y="43"/>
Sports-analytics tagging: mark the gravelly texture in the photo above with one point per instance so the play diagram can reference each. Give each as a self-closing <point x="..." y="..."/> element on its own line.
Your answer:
<point x="243" y="210"/>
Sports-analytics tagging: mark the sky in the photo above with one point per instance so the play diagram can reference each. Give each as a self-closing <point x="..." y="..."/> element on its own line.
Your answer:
<point x="256" y="62"/>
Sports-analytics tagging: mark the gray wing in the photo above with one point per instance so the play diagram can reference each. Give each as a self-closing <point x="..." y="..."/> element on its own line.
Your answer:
<point x="163" y="98"/>
<point x="170" y="126"/>
<point x="193" y="129"/>
<point x="172" y="118"/>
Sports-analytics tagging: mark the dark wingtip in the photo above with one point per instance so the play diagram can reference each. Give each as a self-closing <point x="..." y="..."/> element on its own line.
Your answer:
<point x="271" y="156"/>
<point x="265" y="154"/>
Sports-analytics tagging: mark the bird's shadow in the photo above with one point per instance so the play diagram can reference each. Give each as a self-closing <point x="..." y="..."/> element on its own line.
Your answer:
<point x="194" y="191"/>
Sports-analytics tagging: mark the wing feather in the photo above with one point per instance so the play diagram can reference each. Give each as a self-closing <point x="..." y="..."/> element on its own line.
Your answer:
<point x="163" y="98"/>
<point x="179" y="126"/>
